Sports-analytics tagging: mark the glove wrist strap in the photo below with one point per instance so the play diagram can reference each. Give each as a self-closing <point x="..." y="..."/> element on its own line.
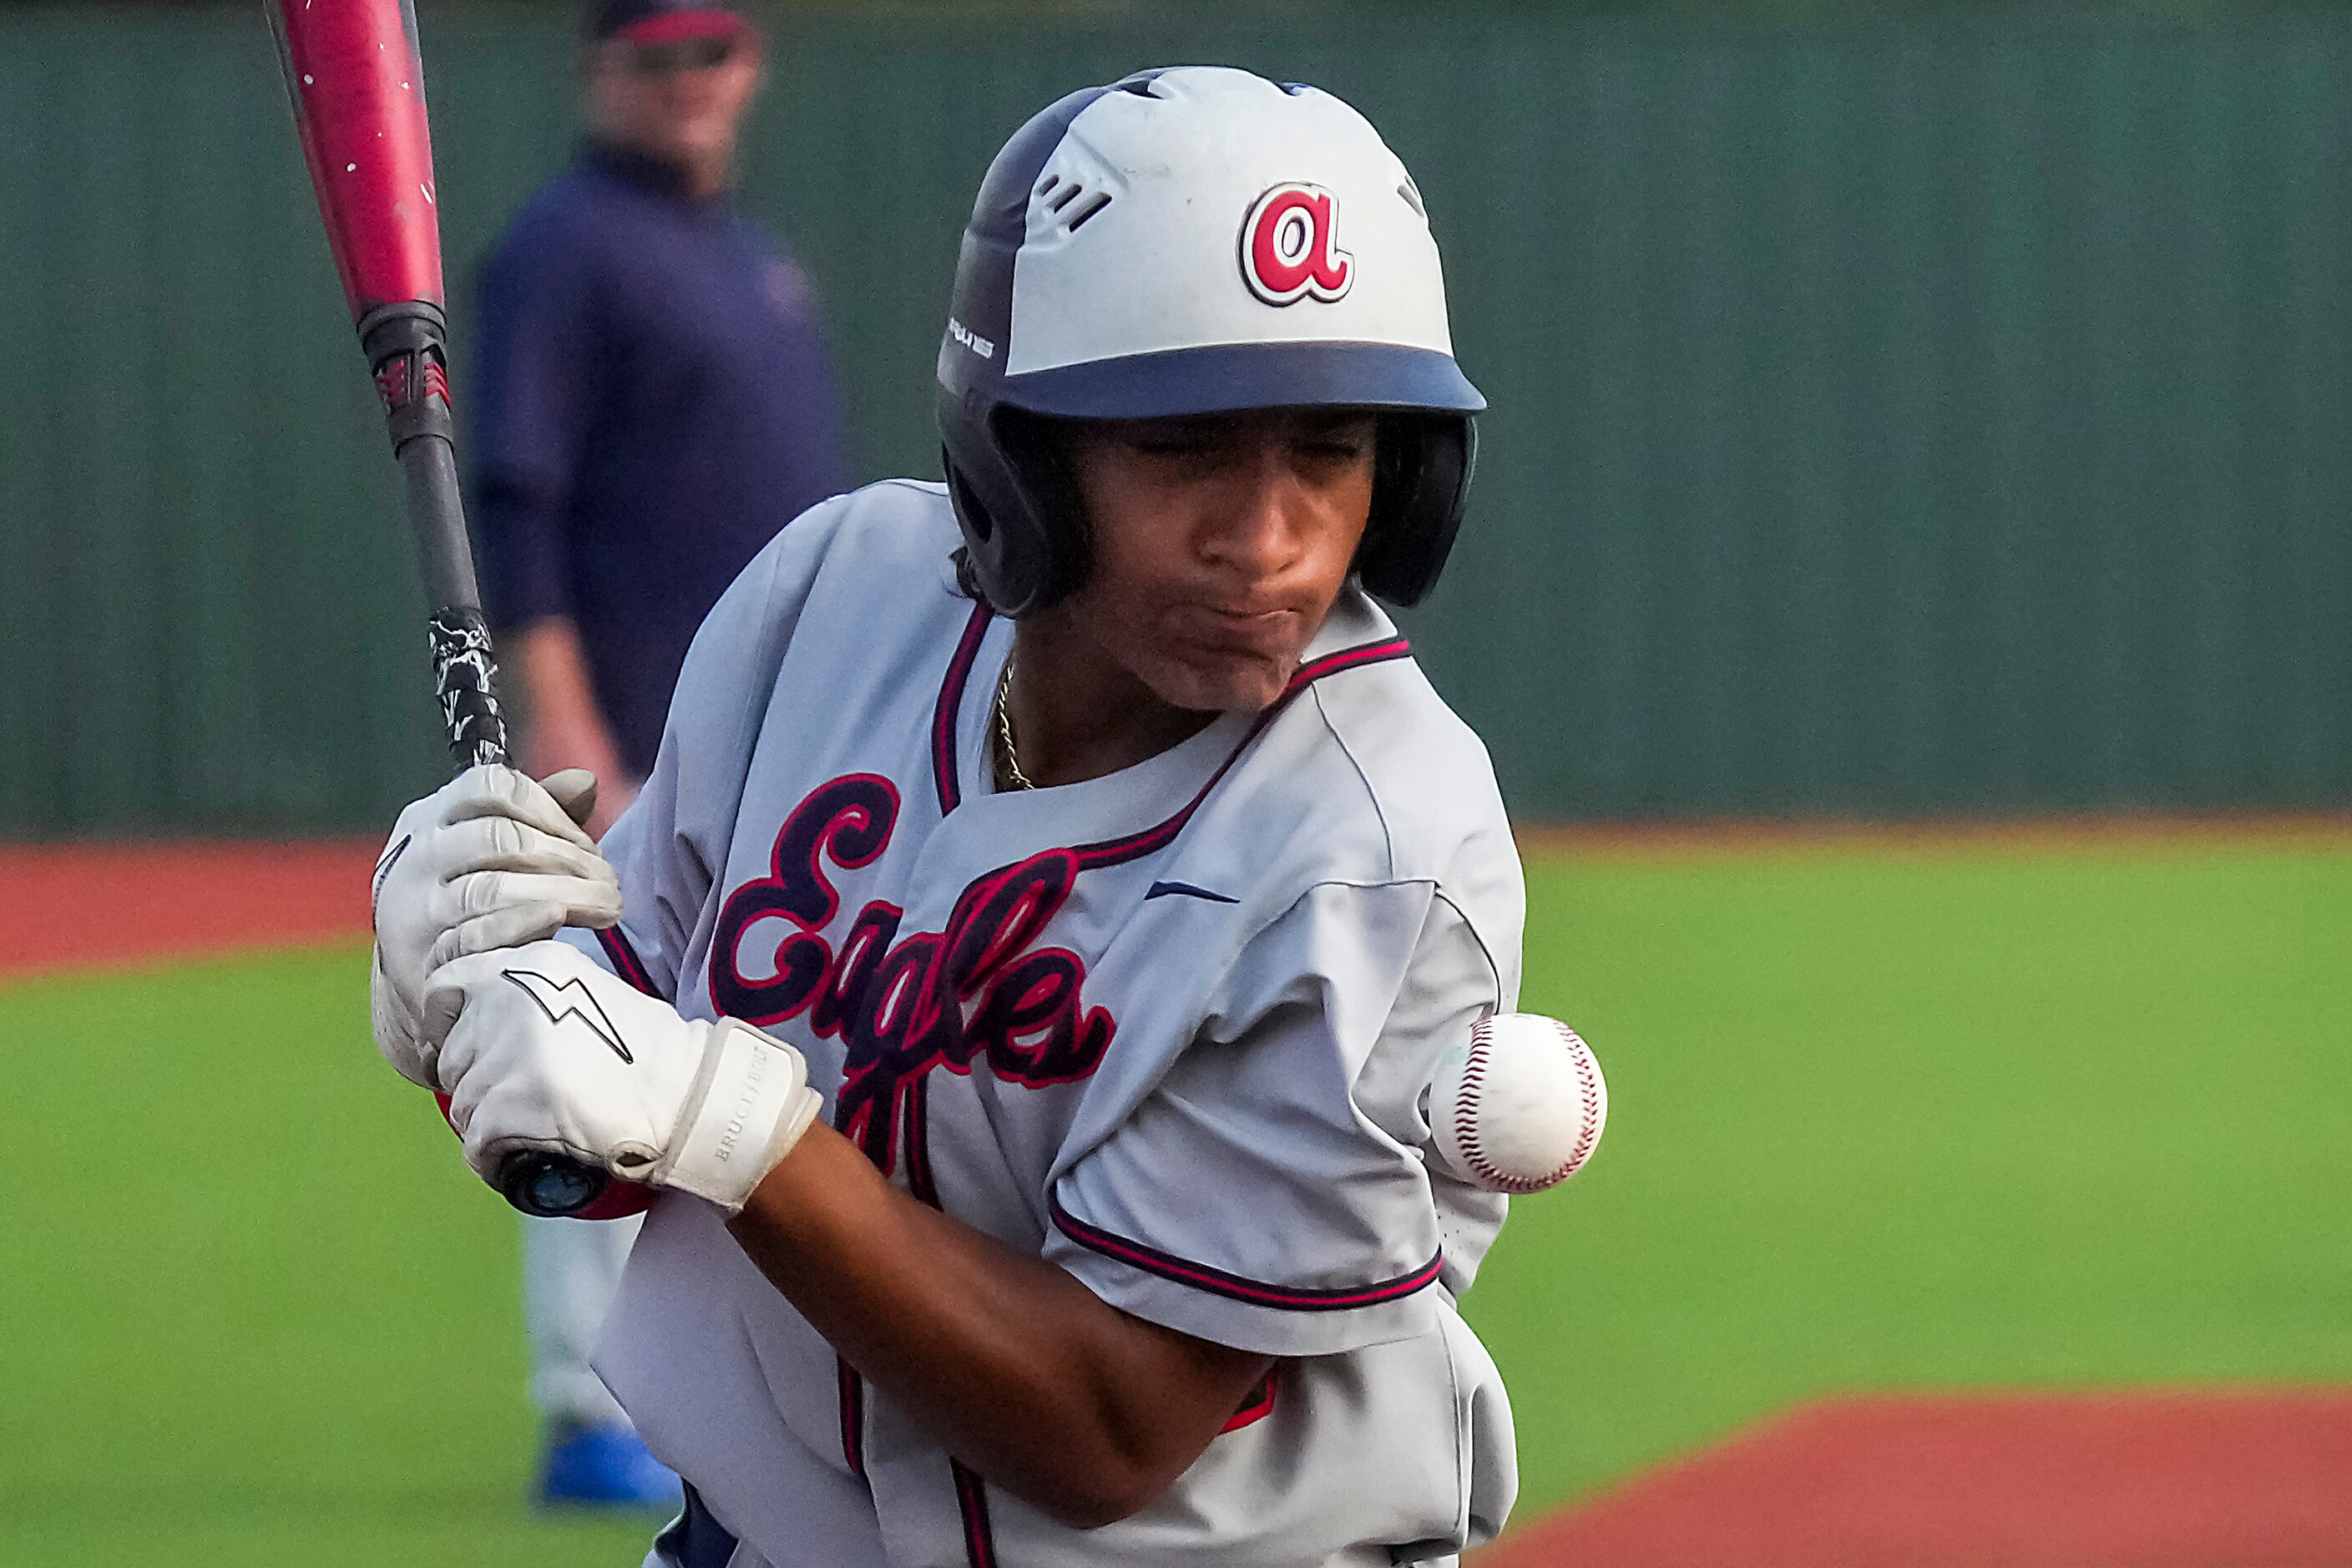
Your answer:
<point x="753" y="1107"/>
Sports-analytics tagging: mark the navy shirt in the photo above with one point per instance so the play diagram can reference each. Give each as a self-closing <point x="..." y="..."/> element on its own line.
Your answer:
<point x="651" y="403"/>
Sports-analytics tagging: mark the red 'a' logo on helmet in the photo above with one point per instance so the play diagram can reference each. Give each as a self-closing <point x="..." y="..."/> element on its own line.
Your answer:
<point x="1290" y="247"/>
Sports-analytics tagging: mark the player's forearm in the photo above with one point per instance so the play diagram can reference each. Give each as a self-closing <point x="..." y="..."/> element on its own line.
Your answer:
<point x="1017" y="1369"/>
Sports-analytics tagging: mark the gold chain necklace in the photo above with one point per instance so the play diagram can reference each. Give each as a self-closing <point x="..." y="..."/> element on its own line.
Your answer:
<point x="1009" y="760"/>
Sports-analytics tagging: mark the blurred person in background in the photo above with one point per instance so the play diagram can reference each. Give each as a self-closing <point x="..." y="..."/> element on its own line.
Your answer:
<point x="652" y="404"/>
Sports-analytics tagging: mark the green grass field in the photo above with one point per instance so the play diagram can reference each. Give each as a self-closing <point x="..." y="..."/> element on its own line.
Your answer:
<point x="1879" y="1119"/>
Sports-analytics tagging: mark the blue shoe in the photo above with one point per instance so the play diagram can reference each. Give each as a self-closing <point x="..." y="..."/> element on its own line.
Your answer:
<point x="606" y="1467"/>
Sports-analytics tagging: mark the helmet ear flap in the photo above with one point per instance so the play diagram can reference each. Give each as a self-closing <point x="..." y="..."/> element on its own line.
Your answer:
<point x="1035" y="452"/>
<point x="1025" y="534"/>
<point x="1422" y="468"/>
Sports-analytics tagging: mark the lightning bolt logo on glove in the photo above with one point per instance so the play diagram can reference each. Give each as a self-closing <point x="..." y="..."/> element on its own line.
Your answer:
<point x="569" y="999"/>
<point x="705" y="1107"/>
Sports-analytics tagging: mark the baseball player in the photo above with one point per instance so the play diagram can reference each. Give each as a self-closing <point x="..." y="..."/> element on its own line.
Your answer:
<point x="1053" y="894"/>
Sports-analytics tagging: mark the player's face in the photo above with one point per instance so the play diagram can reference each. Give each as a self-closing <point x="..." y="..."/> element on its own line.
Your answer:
<point x="679" y="101"/>
<point x="1219" y="544"/>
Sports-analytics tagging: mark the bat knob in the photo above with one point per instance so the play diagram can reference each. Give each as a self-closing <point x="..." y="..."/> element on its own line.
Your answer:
<point x="552" y="1186"/>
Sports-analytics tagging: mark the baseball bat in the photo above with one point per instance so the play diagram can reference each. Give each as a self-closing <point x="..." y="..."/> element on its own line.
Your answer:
<point x="356" y="77"/>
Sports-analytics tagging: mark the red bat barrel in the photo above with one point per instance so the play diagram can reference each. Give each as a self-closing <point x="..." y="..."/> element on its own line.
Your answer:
<point x="358" y="83"/>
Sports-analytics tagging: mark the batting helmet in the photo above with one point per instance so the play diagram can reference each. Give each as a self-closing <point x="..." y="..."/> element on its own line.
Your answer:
<point x="1195" y="240"/>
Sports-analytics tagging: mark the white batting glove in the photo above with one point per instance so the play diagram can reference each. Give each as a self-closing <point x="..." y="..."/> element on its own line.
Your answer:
<point x="490" y="859"/>
<point x="543" y="1050"/>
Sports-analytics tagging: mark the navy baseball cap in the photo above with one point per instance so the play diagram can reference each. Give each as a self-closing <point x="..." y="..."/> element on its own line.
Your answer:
<point x="663" y="21"/>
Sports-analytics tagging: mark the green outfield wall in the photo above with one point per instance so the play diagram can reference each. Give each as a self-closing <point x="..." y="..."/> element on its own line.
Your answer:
<point x="1890" y="418"/>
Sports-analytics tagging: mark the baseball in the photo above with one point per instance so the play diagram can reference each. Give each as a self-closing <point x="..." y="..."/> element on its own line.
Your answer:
<point x="1518" y="1106"/>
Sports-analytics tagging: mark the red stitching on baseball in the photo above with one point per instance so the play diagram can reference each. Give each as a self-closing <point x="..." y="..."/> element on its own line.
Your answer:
<point x="1465" y="1132"/>
<point x="1465" y="1108"/>
<point x="1587" y="1085"/>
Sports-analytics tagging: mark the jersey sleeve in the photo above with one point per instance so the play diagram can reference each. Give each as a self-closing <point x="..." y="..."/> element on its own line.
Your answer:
<point x="1268" y="1192"/>
<point x="670" y="846"/>
<point x="530" y="411"/>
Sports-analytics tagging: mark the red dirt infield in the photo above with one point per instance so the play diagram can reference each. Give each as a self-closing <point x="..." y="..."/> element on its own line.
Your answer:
<point x="81" y="906"/>
<point x="2236" y="1478"/>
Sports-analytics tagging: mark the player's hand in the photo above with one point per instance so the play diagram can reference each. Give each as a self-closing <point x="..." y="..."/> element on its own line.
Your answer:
<point x="543" y="1050"/>
<point x="490" y="859"/>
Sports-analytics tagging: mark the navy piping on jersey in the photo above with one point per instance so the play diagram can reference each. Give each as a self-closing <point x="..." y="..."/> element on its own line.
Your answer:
<point x="971" y="1501"/>
<point x="1134" y="846"/>
<point x="853" y="1419"/>
<point x="971" y="1492"/>
<point x="943" y="718"/>
<point x="626" y="961"/>
<point x="915" y="1123"/>
<point x="1256" y="1292"/>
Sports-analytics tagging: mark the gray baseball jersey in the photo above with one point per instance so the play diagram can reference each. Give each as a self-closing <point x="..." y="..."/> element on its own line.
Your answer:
<point x="1170" y="1029"/>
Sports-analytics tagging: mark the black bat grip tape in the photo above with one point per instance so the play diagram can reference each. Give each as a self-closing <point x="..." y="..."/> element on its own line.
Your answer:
<point x="552" y="1186"/>
<point x="404" y="346"/>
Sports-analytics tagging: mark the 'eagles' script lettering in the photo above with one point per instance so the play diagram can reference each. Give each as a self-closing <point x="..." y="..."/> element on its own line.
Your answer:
<point x="974" y="992"/>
